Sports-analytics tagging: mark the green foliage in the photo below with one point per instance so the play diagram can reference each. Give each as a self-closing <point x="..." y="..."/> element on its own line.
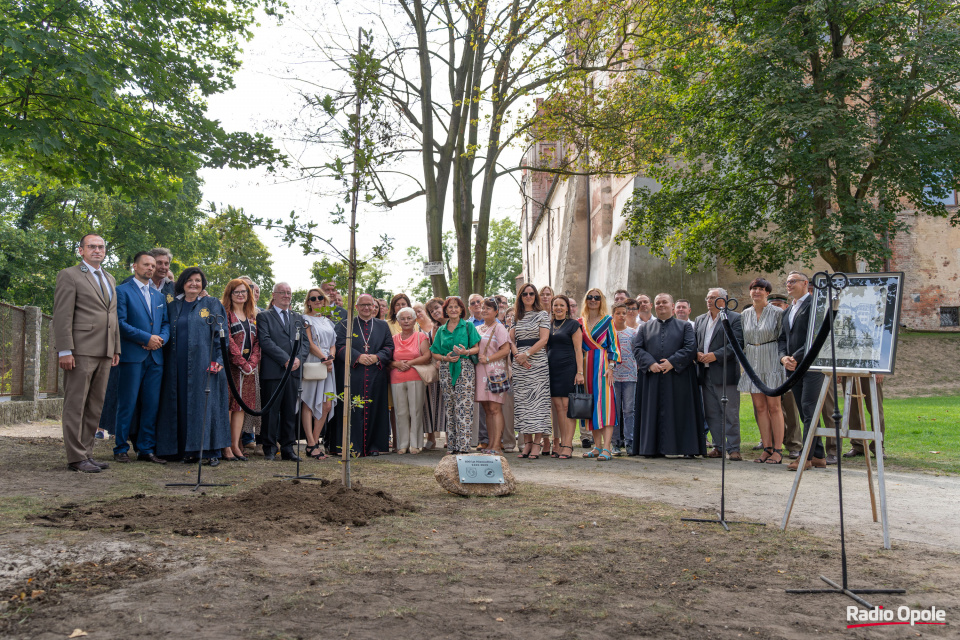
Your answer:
<point x="777" y="131"/>
<point x="503" y="265"/>
<point x="115" y="93"/>
<point x="233" y="249"/>
<point x="40" y="226"/>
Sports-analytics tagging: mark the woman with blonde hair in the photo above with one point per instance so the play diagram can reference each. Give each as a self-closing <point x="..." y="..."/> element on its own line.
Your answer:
<point x="601" y="350"/>
<point x="318" y="396"/>
<point x="244" y="358"/>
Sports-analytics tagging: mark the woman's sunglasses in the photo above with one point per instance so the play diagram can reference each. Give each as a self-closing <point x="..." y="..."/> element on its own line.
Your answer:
<point x="597" y="298"/>
<point x="528" y="294"/>
<point x="316" y="298"/>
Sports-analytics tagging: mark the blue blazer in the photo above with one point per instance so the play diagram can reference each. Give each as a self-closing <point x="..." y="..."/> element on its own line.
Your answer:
<point x="138" y="322"/>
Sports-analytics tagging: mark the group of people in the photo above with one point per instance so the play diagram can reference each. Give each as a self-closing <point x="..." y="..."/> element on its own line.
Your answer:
<point x="145" y="358"/>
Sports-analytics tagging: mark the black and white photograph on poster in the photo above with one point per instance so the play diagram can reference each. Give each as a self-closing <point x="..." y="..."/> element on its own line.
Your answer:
<point x="865" y="328"/>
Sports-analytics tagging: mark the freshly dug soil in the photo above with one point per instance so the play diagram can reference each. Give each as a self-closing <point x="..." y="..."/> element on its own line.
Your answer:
<point x="270" y="510"/>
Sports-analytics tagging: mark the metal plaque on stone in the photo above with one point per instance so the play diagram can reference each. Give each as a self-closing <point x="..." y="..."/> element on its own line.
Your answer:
<point x="480" y="469"/>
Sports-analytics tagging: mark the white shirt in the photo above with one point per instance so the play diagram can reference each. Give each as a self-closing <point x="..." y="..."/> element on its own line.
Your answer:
<point x="145" y="290"/>
<point x="708" y="335"/>
<point x="795" y="306"/>
<point x="281" y="314"/>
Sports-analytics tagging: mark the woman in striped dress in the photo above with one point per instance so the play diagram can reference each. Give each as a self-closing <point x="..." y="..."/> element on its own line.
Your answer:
<point x="435" y="412"/>
<point x="531" y="375"/>
<point x="601" y="351"/>
<point x="761" y="328"/>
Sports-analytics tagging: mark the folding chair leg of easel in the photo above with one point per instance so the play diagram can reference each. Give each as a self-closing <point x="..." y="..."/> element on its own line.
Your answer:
<point x="807" y="445"/>
<point x="878" y="439"/>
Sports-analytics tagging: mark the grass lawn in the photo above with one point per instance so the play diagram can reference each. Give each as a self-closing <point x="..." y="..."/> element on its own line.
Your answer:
<point x="915" y="427"/>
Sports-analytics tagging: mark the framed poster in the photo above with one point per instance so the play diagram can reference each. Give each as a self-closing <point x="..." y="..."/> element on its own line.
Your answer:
<point x="865" y="329"/>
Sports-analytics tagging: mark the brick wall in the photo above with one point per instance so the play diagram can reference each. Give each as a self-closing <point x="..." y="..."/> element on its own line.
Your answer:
<point x="929" y="256"/>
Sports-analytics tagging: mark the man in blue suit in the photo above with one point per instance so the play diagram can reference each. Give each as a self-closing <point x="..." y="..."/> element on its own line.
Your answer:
<point x="144" y="328"/>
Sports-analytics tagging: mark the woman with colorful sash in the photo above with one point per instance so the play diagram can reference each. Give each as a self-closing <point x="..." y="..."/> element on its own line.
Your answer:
<point x="601" y="351"/>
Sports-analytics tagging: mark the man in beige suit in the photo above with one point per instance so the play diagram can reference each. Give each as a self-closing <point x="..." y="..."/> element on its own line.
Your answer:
<point x="87" y="336"/>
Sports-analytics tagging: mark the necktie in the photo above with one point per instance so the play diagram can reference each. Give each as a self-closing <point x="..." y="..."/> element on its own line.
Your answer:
<point x="283" y="316"/>
<point x="103" y="293"/>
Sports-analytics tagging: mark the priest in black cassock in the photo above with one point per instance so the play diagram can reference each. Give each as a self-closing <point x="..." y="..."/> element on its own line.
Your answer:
<point x="670" y="419"/>
<point x="368" y="367"/>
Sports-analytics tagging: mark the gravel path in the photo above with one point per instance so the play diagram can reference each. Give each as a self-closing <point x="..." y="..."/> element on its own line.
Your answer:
<point x="921" y="507"/>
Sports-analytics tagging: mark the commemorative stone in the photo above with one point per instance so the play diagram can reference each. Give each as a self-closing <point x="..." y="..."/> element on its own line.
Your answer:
<point x="475" y="475"/>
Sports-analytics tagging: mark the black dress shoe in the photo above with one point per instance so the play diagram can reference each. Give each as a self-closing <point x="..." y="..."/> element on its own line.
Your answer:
<point x="101" y="465"/>
<point x="213" y="462"/>
<point x="149" y="457"/>
<point x="292" y="457"/>
<point x="121" y="457"/>
<point x="84" y="466"/>
<point x="189" y="460"/>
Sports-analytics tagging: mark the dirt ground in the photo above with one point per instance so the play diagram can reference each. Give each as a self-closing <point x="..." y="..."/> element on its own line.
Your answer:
<point x="568" y="556"/>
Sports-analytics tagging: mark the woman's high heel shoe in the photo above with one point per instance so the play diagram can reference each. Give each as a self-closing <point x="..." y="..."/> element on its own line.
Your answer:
<point x="767" y="452"/>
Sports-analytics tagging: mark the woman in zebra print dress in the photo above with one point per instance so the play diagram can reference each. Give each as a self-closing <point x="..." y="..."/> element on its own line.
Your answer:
<point x="531" y="375"/>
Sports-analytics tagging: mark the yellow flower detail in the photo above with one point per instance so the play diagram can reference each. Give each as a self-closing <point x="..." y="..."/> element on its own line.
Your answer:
<point x="204" y="312"/>
<point x="169" y="298"/>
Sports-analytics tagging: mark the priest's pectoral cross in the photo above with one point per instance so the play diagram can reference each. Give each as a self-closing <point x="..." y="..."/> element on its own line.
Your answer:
<point x="366" y="348"/>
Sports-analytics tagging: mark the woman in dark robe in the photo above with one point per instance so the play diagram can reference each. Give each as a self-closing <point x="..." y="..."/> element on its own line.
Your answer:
<point x="183" y="431"/>
<point x="670" y="417"/>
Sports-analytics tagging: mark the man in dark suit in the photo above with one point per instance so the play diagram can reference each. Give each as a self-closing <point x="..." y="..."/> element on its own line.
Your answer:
<point x="87" y="338"/>
<point x="792" y="346"/>
<point x="277" y="329"/>
<point x="144" y="329"/>
<point x="712" y="352"/>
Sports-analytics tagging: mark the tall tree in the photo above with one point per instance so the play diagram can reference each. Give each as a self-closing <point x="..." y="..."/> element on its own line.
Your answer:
<point x="460" y="77"/>
<point x="782" y="130"/>
<point x="40" y="226"/>
<point x="233" y="249"/>
<point x="114" y="93"/>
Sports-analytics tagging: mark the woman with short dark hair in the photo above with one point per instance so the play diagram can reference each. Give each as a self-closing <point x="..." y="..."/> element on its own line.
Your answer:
<point x="455" y="347"/>
<point x="761" y="329"/>
<point x="493" y="354"/>
<point x="184" y="431"/>
<point x="397" y="302"/>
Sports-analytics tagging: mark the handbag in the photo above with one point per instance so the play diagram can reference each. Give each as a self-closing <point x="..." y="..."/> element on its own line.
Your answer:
<point x="580" y="404"/>
<point x="314" y="371"/>
<point x="427" y="372"/>
<point x="498" y="381"/>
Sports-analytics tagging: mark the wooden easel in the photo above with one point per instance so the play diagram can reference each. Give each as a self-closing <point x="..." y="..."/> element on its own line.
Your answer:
<point x="853" y="392"/>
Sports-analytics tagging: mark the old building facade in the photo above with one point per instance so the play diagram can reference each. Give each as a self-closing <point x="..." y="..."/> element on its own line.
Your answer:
<point x="569" y="223"/>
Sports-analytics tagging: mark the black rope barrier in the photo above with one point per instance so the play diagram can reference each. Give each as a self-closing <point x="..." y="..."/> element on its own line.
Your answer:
<point x="802" y="366"/>
<point x="264" y="406"/>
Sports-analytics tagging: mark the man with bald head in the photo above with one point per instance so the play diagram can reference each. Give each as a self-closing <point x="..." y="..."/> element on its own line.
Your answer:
<point x="367" y="362"/>
<point x="277" y="330"/>
<point x="670" y="419"/>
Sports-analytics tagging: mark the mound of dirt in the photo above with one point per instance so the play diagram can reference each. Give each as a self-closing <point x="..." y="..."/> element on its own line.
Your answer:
<point x="265" y="512"/>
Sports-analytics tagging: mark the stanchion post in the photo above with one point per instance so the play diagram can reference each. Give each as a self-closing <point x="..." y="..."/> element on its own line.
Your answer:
<point x="834" y="283"/>
<point x="721" y="517"/>
<point x="298" y="476"/>
<point x="210" y="320"/>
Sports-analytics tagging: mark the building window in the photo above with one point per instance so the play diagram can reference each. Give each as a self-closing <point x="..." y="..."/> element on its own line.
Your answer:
<point x="950" y="316"/>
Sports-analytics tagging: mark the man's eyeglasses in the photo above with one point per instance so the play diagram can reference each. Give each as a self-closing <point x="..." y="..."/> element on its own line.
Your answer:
<point x="794" y="281"/>
<point x="367" y="304"/>
<point x="593" y="298"/>
<point x="475" y="303"/>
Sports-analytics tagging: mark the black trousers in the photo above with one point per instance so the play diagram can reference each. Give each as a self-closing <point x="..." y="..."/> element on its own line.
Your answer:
<point x="806" y="392"/>
<point x="279" y="425"/>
